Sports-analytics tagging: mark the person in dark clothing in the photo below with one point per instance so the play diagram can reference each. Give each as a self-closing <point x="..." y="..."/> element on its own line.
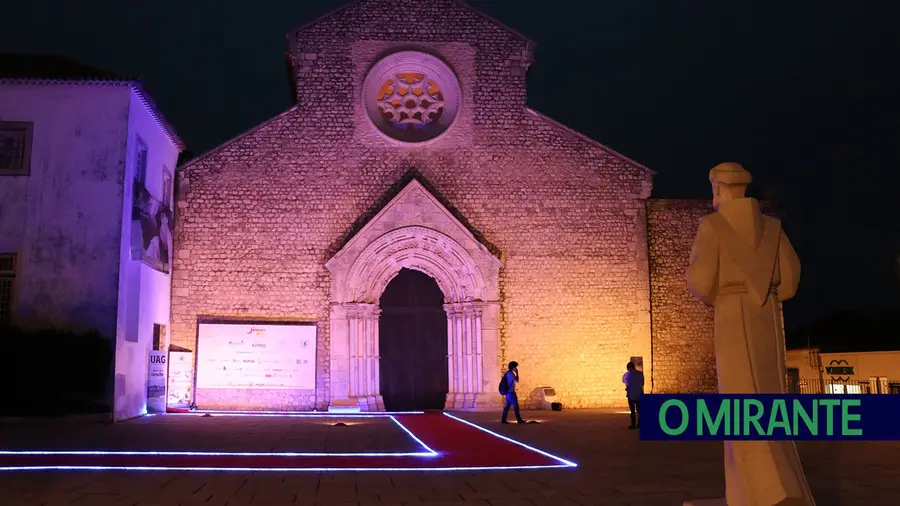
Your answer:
<point x="512" y="377"/>
<point x="634" y="387"/>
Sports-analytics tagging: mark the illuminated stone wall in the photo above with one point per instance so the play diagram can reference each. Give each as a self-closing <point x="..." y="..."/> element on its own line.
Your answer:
<point x="684" y="359"/>
<point x="259" y="216"/>
<point x="683" y="346"/>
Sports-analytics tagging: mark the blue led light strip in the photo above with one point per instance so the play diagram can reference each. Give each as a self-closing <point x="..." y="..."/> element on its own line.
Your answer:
<point x="427" y="453"/>
<point x="277" y="469"/>
<point x="214" y="454"/>
<point x="564" y="462"/>
<point x="415" y="438"/>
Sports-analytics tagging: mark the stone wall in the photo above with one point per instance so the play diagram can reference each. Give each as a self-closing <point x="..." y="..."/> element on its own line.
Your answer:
<point x="258" y="216"/>
<point x="683" y="351"/>
<point x="682" y="327"/>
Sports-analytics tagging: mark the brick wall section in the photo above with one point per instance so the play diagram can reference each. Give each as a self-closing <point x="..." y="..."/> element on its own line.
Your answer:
<point x="683" y="348"/>
<point x="257" y="216"/>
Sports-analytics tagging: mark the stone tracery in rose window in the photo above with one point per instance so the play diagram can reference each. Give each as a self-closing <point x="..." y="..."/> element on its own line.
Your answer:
<point x="410" y="100"/>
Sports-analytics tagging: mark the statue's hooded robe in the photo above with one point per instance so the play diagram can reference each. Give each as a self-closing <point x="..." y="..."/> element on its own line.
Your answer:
<point x="743" y="264"/>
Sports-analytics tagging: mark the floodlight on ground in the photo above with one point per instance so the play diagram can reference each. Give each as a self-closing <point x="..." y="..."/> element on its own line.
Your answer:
<point x="548" y="397"/>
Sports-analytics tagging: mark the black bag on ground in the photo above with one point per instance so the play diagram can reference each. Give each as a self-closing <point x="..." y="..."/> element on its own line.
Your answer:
<point x="504" y="386"/>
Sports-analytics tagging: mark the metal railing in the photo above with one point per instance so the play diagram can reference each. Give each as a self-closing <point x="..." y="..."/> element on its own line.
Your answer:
<point x="829" y="386"/>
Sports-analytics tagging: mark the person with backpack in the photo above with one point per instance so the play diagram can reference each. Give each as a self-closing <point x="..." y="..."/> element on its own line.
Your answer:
<point x="508" y="390"/>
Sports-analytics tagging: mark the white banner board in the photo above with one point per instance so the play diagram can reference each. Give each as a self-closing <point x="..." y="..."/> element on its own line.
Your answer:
<point x="156" y="382"/>
<point x="181" y="378"/>
<point x="256" y="356"/>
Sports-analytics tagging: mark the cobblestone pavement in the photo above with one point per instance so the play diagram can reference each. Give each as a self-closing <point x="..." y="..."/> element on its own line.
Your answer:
<point x="615" y="468"/>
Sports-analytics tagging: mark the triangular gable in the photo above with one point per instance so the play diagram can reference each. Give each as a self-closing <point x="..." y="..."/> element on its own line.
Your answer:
<point x="414" y="205"/>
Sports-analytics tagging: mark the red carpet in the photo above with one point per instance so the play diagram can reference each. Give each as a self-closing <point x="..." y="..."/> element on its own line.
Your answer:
<point x="458" y="444"/>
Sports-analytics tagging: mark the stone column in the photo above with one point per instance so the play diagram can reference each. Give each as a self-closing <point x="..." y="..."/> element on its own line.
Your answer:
<point x="455" y="372"/>
<point x="473" y="355"/>
<point x="487" y="397"/>
<point x="340" y="358"/>
<point x="472" y="365"/>
<point x="369" y="396"/>
<point x="354" y="352"/>
<point x="354" y="357"/>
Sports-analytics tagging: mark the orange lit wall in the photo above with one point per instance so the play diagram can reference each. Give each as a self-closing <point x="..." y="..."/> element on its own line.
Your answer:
<point x="683" y="350"/>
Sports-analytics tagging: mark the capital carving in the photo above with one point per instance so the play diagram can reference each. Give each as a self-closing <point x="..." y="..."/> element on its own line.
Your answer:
<point x="361" y="310"/>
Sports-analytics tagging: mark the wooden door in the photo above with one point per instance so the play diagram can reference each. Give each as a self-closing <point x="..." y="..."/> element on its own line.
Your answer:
<point x="413" y="343"/>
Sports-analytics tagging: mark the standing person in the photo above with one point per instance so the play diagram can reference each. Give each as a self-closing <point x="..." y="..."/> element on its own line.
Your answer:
<point x="634" y="387"/>
<point x="512" y="377"/>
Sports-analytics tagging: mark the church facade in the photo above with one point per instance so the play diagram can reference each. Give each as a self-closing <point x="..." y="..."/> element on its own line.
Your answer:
<point x="411" y="166"/>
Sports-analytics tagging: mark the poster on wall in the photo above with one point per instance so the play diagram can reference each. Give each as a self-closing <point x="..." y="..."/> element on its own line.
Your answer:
<point x="156" y="382"/>
<point x="256" y="356"/>
<point x="181" y="378"/>
<point x="155" y="220"/>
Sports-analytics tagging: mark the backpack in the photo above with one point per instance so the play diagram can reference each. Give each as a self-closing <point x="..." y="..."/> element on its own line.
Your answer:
<point x="504" y="386"/>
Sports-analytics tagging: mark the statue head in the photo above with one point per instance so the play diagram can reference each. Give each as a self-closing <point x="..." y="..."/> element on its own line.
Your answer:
<point x="729" y="182"/>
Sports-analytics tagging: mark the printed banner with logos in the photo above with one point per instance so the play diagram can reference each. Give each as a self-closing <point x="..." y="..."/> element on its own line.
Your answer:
<point x="156" y="382"/>
<point x="181" y="378"/>
<point x="260" y="355"/>
<point x="770" y="417"/>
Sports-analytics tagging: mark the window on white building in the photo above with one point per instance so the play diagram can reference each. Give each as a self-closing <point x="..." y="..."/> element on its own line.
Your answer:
<point x="167" y="187"/>
<point x="15" y="148"/>
<point x="7" y="283"/>
<point x="159" y="336"/>
<point x="140" y="163"/>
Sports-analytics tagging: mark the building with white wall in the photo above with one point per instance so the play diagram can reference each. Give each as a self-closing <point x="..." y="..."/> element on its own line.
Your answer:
<point x="811" y="370"/>
<point x="86" y="188"/>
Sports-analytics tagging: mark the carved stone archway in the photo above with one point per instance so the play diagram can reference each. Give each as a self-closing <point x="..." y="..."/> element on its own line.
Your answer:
<point x="466" y="272"/>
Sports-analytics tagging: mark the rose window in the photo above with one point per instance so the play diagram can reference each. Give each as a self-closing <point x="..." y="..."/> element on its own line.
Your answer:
<point x="411" y="97"/>
<point x="410" y="100"/>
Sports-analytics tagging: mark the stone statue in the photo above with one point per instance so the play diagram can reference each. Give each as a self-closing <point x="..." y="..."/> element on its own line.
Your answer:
<point x="743" y="264"/>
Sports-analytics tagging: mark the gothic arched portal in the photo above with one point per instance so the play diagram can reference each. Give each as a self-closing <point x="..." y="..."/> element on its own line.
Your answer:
<point x="414" y="233"/>
<point x="412" y="345"/>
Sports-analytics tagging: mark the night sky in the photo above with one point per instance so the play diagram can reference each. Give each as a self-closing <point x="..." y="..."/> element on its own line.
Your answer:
<point x="803" y="93"/>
